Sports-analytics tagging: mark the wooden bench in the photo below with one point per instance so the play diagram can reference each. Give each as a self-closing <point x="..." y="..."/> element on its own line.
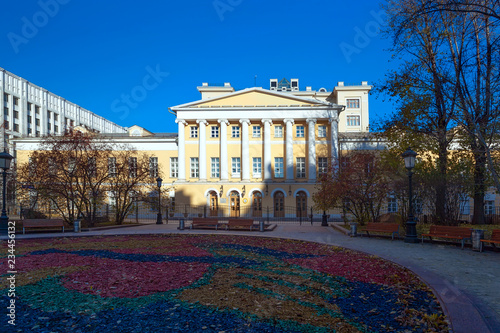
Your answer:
<point x="449" y="232"/>
<point x="240" y="224"/>
<point x="43" y="223"/>
<point x="495" y="239"/>
<point x="392" y="228"/>
<point x="203" y="222"/>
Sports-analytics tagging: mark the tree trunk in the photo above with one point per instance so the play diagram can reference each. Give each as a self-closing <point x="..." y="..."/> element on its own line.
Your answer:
<point x="479" y="187"/>
<point x="442" y="181"/>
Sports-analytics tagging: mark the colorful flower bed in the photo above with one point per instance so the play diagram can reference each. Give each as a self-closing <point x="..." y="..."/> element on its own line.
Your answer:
<point x="205" y="283"/>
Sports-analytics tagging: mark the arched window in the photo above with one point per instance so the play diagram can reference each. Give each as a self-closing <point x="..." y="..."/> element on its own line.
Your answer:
<point x="214" y="203"/>
<point x="279" y="204"/>
<point x="234" y="201"/>
<point x="257" y="204"/>
<point x="301" y="204"/>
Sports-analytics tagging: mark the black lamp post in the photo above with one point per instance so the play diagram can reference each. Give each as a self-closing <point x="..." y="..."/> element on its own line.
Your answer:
<point x="411" y="226"/>
<point x="5" y="159"/>
<point x="158" y="217"/>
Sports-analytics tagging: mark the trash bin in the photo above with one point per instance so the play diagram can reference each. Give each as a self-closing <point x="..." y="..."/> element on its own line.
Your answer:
<point x="261" y="225"/>
<point x="354" y="229"/>
<point x="477" y="235"/>
<point x="77" y="226"/>
<point x="181" y="224"/>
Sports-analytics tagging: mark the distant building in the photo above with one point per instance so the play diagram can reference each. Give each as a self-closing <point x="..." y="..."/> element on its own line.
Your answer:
<point x="32" y="111"/>
<point x="236" y="152"/>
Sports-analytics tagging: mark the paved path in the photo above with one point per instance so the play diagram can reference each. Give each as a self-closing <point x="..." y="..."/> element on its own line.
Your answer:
<point x="466" y="282"/>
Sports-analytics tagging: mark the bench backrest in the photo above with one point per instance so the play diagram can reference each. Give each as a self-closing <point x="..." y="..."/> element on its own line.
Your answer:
<point x="240" y="222"/>
<point x="450" y="231"/>
<point x="43" y="223"/>
<point x="201" y="220"/>
<point x="495" y="235"/>
<point x="392" y="227"/>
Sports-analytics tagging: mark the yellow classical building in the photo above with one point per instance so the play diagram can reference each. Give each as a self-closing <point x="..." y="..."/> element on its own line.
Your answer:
<point x="241" y="153"/>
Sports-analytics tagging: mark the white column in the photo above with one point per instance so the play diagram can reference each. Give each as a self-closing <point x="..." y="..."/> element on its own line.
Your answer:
<point x="289" y="149"/>
<point x="223" y="149"/>
<point x="245" y="150"/>
<point x="267" y="149"/>
<point x="311" y="140"/>
<point x="202" y="145"/>
<point x="334" y="139"/>
<point x="181" y="149"/>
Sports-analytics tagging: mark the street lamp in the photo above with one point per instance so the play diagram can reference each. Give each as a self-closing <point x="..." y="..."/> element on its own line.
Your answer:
<point x="411" y="226"/>
<point x="158" y="217"/>
<point x="5" y="159"/>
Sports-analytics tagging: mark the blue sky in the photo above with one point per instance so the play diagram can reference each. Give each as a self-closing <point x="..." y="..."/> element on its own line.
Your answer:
<point x="96" y="53"/>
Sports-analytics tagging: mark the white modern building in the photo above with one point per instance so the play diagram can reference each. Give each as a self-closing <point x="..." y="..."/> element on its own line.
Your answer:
<point x="32" y="111"/>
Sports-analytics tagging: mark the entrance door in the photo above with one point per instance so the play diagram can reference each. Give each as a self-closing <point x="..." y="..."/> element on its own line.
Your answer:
<point x="234" y="198"/>
<point x="279" y="204"/>
<point x="301" y="204"/>
<point x="214" y="204"/>
<point x="257" y="204"/>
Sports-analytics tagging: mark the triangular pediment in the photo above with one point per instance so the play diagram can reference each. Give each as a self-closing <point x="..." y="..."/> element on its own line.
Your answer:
<point x="253" y="97"/>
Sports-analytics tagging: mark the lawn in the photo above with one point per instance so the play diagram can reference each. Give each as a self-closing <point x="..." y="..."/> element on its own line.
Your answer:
<point x="211" y="283"/>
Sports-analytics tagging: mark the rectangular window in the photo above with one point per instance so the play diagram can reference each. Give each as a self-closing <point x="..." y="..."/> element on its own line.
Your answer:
<point x="6" y="124"/>
<point x="235" y="131"/>
<point x="112" y="166"/>
<point x="132" y="167"/>
<point x="16" y="128"/>
<point x="352" y="103"/>
<point x="489" y="207"/>
<point x="153" y="167"/>
<point x="5" y="112"/>
<point x="16" y="100"/>
<point x="29" y="119"/>
<point x="174" y="167"/>
<point x="322" y="166"/>
<point x="48" y="126"/>
<point x="194" y="131"/>
<point x="195" y="167"/>
<point x="16" y="114"/>
<point x="214" y="167"/>
<point x="465" y="206"/>
<point x="299" y="131"/>
<point x="278" y="167"/>
<point x="256" y="131"/>
<point x="56" y="116"/>
<point x="28" y="106"/>
<point x="235" y="166"/>
<point x="214" y="132"/>
<point x="48" y="114"/>
<point x="257" y="167"/>
<point x="37" y="109"/>
<point x="321" y="131"/>
<point x="56" y="129"/>
<point x="29" y="130"/>
<point x="71" y="164"/>
<point x="6" y="98"/>
<point x="92" y="167"/>
<point x="392" y="205"/>
<point x="301" y="167"/>
<point x="37" y="122"/>
<point x="278" y="131"/>
<point x="353" y="121"/>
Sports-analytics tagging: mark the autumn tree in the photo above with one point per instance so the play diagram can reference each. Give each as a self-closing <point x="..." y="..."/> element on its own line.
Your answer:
<point x="73" y="174"/>
<point x="448" y="79"/>
<point x="360" y="180"/>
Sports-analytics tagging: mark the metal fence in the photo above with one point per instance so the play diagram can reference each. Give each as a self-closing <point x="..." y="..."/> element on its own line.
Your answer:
<point x="283" y="214"/>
